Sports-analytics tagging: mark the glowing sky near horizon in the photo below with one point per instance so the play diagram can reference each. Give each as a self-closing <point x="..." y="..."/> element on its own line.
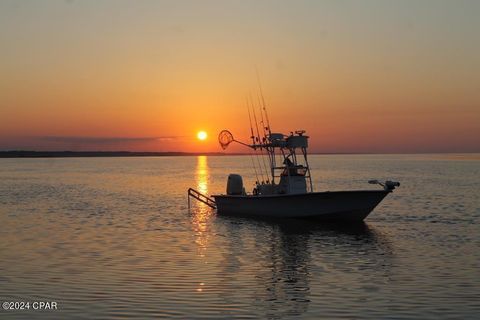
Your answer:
<point x="359" y="76"/>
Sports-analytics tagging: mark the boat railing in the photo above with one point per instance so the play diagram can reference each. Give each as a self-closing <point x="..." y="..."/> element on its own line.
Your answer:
<point x="201" y="197"/>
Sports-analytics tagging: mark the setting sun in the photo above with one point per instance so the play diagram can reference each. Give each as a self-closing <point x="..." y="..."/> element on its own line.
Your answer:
<point x="201" y="135"/>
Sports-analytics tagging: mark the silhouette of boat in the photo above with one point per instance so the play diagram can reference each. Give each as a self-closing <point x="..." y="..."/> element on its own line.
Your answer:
<point x="288" y="190"/>
<point x="288" y="193"/>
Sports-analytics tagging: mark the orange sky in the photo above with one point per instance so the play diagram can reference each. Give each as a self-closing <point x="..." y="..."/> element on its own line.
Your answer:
<point x="370" y="76"/>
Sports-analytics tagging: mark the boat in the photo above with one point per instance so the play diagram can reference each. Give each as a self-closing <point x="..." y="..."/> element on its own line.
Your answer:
<point x="288" y="191"/>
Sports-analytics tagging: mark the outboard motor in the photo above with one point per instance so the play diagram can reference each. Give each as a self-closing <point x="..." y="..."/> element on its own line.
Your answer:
<point x="235" y="185"/>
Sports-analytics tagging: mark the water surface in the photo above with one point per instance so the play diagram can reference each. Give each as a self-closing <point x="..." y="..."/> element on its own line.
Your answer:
<point x="113" y="238"/>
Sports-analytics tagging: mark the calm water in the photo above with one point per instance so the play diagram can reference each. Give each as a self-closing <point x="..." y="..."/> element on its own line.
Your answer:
<point x="113" y="238"/>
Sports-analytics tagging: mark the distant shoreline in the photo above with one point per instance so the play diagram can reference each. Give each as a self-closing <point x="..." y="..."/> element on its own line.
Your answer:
<point x="113" y="154"/>
<point x="93" y="154"/>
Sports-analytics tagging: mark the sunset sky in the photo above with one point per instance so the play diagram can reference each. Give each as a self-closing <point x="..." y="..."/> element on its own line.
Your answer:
<point x="359" y="76"/>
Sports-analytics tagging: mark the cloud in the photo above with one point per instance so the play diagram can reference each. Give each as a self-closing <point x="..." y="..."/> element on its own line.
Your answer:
<point x="105" y="140"/>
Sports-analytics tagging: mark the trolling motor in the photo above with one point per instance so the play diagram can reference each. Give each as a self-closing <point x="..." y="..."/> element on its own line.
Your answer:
<point x="387" y="185"/>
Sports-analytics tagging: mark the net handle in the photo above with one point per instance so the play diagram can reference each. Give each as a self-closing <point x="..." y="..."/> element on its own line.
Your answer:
<point x="225" y="137"/>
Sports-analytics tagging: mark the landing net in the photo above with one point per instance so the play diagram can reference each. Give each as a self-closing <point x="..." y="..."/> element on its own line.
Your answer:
<point x="225" y="138"/>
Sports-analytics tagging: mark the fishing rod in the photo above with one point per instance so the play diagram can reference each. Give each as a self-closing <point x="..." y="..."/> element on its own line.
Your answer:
<point x="265" y="139"/>
<point x="253" y="141"/>
<point x="271" y="151"/>
<point x="225" y="137"/>
<point x="263" y="100"/>
<point x="259" y="138"/>
<point x="262" y="122"/>
<point x="255" y="119"/>
<point x="252" y="136"/>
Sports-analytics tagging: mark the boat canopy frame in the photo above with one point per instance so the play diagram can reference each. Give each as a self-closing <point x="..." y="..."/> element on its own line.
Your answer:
<point x="289" y="157"/>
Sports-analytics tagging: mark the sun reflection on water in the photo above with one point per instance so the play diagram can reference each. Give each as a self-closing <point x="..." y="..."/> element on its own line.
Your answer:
<point x="201" y="213"/>
<point x="201" y="174"/>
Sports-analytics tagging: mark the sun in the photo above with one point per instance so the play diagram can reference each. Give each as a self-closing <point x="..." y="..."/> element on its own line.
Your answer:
<point x="201" y="135"/>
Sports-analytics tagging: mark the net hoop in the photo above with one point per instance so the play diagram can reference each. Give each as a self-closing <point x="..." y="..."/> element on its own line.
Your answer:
<point x="225" y="137"/>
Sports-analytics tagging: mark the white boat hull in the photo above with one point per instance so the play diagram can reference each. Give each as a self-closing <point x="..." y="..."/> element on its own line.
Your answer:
<point x="335" y="205"/>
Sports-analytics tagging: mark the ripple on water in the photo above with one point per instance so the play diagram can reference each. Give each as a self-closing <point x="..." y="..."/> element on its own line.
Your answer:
<point x="113" y="238"/>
